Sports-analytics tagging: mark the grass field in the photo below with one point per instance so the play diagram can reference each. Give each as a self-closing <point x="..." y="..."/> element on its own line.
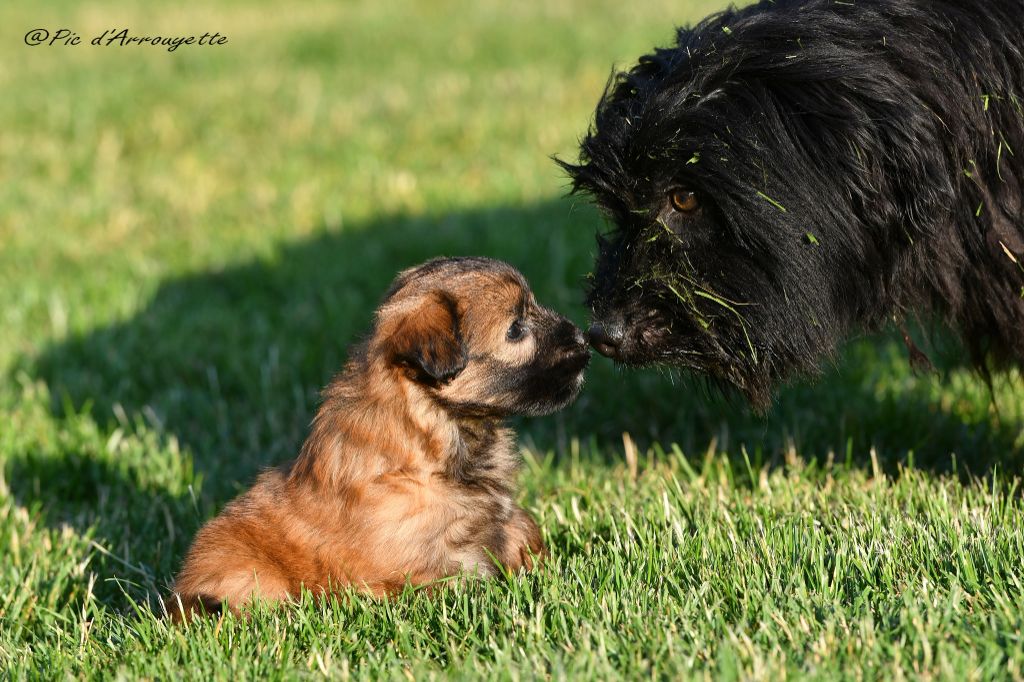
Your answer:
<point x="188" y="243"/>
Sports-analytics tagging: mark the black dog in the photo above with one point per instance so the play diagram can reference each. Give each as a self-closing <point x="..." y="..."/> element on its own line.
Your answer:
<point x="797" y="171"/>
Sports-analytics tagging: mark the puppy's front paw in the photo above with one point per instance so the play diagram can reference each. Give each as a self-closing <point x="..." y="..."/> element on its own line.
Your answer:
<point x="524" y="547"/>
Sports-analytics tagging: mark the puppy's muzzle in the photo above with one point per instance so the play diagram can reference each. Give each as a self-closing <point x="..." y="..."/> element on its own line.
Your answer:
<point x="570" y="340"/>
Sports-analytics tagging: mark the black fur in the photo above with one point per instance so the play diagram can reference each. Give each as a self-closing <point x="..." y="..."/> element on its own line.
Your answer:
<point x="855" y="163"/>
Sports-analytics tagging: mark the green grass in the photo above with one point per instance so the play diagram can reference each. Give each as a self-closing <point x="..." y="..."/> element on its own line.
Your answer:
<point x="190" y="241"/>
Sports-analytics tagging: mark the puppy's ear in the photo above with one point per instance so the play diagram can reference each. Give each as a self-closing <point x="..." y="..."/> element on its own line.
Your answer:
<point x="428" y="340"/>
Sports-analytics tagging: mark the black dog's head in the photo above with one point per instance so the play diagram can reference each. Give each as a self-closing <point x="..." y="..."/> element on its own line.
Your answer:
<point x="766" y="177"/>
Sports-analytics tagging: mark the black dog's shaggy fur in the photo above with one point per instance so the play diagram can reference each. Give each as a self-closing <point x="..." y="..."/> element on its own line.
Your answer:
<point x="850" y="164"/>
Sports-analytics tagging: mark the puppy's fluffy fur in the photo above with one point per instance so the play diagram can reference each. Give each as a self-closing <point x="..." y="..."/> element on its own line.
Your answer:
<point x="408" y="474"/>
<point x="798" y="171"/>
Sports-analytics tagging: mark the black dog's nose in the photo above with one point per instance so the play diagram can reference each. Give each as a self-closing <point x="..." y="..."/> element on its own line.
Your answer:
<point x="605" y="340"/>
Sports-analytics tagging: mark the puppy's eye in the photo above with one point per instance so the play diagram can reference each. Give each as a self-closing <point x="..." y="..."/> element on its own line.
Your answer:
<point x="683" y="200"/>
<point x="516" y="332"/>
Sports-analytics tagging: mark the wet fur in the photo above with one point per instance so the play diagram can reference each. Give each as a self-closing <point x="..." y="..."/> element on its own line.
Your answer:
<point x="408" y="474"/>
<point x="856" y="163"/>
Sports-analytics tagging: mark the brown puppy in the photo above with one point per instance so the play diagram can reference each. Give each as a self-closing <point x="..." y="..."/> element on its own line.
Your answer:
<point x="408" y="474"/>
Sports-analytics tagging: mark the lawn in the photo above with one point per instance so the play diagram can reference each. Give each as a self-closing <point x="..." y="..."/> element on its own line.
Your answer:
<point x="189" y="242"/>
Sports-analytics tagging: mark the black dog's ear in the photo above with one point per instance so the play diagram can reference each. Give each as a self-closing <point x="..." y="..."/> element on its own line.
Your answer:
<point x="428" y="340"/>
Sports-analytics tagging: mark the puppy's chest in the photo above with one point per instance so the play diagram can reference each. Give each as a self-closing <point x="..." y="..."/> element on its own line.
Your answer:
<point x="483" y="464"/>
<point x="476" y="488"/>
<point x="474" y="485"/>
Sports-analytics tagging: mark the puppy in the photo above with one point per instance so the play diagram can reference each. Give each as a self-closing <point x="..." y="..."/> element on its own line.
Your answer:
<point x="408" y="474"/>
<point x="797" y="172"/>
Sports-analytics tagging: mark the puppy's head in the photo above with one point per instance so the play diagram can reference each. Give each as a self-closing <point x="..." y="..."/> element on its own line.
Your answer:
<point x="470" y="333"/>
<point x="764" y="187"/>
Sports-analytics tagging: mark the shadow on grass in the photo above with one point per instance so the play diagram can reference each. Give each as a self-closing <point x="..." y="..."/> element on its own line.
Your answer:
<point x="229" y="363"/>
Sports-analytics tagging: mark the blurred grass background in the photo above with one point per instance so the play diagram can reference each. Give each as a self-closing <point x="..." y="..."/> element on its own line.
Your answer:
<point x="189" y="242"/>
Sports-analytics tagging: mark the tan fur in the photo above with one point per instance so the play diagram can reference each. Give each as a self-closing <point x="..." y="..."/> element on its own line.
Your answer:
<point x="407" y="475"/>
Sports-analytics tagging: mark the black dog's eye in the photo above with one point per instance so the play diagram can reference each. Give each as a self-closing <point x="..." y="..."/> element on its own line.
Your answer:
<point x="516" y="332"/>
<point x="683" y="200"/>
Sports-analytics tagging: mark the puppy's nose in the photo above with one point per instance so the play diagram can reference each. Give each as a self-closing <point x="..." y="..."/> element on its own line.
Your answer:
<point x="605" y="340"/>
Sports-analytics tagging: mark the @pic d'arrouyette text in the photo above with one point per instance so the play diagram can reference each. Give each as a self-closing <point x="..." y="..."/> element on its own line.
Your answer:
<point x="64" y="37"/>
